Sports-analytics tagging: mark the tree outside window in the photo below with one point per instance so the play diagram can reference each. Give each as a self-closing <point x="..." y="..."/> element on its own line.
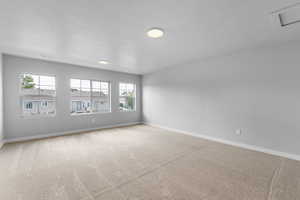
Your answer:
<point x="127" y="96"/>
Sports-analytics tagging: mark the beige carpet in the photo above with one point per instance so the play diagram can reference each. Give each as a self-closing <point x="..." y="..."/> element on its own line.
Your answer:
<point x="142" y="163"/>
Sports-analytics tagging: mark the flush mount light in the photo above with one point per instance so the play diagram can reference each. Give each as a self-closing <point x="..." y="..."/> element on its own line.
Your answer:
<point x="103" y="62"/>
<point x="155" y="32"/>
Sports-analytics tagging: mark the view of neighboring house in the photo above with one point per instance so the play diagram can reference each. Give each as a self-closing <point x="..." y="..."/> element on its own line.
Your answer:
<point x="85" y="103"/>
<point x="38" y="95"/>
<point x="89" y="96"/>
<point x="34" y="107"/>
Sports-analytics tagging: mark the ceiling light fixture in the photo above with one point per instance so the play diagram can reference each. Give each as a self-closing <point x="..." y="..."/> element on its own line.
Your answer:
<point x="103" y="62"/>
<point x="155" y="32"/>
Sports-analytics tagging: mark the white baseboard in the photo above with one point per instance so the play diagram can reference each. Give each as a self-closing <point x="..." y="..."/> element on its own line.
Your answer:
<point x="34" y="137"/>
<point x="237" y="144"/>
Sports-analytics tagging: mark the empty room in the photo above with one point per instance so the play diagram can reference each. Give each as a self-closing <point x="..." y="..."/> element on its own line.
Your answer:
<point x="149" y="100"/>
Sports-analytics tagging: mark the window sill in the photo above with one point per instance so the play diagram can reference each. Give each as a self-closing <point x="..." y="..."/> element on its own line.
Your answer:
<point x="125" y="111"/>
<point x="37" y="116"/>
<point x="94" y="113"/>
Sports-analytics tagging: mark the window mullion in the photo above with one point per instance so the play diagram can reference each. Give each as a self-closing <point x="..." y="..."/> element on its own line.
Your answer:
<point x="101" y="92"/>
<point x="40" y="99"/>
<point x="91" y="95"/>
<point x="80" y="89"/>
<point x="39" y="86"/>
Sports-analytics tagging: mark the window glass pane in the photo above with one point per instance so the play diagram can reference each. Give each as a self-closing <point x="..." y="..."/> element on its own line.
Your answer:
<point x="100" y="104"/>
<point x="123" y="93"/>
<point x="27" y="105"/>
<point x="47" y="80"/>
<point x="75" y="83"/>
<point x="85" y="93"/>
<point x="85" y="88"/>
<point x="104" y="85"/>
<point x="85" y="84"/>
<point x="96" y="88"/>
<point x="122" y="103"/>
<point x="104" y="88"/>
<point x="47" y="107"/>
<point x="31" y="80"/>
<point x="122" y="89"/>
<point x="47" y="90"/>
<point x="122" y="86"/>
<point x="96" y="92"/>
<point x="96" y="84"/>
<point x="30" y="107"/>
<point x="127" y="97"/>
<point x="38" y="95"/>
<point x="30" y="91"/>
<point x="127" y="103"/>
<point x="29" y="84"/>
<point x="80" y="105"/>
<point x="92" y="98"/>
<point x="47" y="87"/>
<point x="75" y="91"/>
<point x="132" y="104"/>
<point x="130" y="87"/>
<point x="104" y="93"/>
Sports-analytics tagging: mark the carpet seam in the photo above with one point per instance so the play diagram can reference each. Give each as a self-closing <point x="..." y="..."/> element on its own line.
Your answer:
<point x="276" y="174"/>
<point x="145" y="173"/>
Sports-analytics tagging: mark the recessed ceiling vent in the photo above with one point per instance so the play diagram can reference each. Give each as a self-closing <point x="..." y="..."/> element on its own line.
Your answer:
<point x="288" y="15"/>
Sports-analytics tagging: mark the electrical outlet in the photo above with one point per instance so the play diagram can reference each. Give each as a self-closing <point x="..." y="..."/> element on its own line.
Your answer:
<point x="238" y="132"/>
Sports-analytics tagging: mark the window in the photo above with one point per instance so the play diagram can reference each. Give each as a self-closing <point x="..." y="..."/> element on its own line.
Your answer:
<point x="38" y="95"/>
<point x="28" y="105"/>
<point x="127" y="97"/>
<point x="90" y="96"/>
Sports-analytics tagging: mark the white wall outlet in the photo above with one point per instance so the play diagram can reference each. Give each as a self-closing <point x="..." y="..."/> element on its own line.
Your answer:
<point x="238" y="131"/>
<point x="93" y="120"/>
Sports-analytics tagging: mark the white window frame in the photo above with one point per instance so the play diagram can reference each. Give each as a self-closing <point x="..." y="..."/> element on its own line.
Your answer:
<point x="91" y="96"/>
<point x="135" y="95"/>
<point x="21" y="96"/>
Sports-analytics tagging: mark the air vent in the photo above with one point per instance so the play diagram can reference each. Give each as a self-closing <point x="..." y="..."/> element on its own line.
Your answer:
<point x="288" y="15"/>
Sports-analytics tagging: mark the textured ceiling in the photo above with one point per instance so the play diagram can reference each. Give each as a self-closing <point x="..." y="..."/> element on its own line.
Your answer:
<point x="83" y="32"/>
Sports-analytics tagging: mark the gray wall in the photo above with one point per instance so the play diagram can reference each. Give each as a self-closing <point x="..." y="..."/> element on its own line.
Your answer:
<point x="16" y="126"/>
<point x="1" y="101"/>
<point x="257" y="91"/>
